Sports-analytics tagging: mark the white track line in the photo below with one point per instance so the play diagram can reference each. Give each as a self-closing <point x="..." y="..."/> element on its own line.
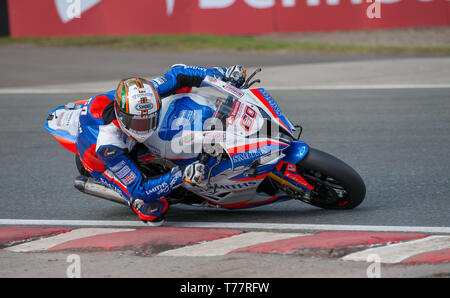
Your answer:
<point x="46" y="243"/>
<point x="396" y="253"/>
<point x="25" y="90"/>
<point x="223" y="246"/>
<point x="228" y="225"/>
<point x="70" y="223"/>
<point x="361" y="87"/>
<point x="43" y="91"/>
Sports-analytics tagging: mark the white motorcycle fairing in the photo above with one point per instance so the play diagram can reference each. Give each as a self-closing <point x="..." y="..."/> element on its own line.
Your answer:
<point x="250" y="156"/>
<point x="246" y="136"/>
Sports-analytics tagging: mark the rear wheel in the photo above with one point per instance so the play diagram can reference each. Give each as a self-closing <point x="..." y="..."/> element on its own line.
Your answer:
<point x="80" y="167"/>
<point x="336" y="184"/>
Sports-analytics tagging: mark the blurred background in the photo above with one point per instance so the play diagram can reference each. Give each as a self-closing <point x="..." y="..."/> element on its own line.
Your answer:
<point x="243" y="17"/>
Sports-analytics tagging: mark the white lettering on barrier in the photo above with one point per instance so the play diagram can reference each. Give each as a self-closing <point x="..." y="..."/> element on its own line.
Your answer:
<point x="373" y="10"/>
<point x="71" y="9"/>
<point x="210" y="4"/>
<point x="220" y="4"/>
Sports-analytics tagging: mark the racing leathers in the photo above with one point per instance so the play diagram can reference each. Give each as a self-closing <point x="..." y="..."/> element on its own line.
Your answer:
<point x="104" y="149"/>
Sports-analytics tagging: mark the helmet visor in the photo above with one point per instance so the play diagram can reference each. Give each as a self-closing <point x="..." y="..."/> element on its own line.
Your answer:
<point x="140" y="125"/>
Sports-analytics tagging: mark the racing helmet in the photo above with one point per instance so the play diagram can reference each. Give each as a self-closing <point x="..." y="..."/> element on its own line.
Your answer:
<point x="137" y="105"/>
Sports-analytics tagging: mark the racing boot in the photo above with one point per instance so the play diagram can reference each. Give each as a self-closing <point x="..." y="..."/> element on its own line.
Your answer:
<point x="150" y="212"/>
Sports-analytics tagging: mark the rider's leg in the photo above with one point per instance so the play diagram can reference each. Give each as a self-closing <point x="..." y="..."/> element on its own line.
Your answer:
<point x="151" y="212"/>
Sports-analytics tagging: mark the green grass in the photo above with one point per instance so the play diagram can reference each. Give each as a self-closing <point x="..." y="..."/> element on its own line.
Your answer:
<point x="212" y="42"/>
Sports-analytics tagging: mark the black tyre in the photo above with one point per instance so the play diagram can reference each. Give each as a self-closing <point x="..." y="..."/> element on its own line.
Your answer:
<point x="80" y="167"/>
<point x="336" y="184"/>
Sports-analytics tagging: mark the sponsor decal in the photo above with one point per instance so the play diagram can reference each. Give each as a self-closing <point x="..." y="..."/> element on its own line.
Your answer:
<point x="142" y="94"/>
<point x="248" y="156"/>
<point x="222" y="4"/>
<point x="237" y="186"/>
<point x="291" y="168"/>
<point x="217" y="136"/>
<point x="144" y="106"/>
<point x="158" y="189"/>
<point x="118" y="166"/>
<point x="110" y="185"/>
<point x="298" y="179"/>
<point x="129" y="178"/>
<point x="273" y="104"/>
<point x="233" y="90"/>
<point x="302" y="150"/>
<point x="235" y="110"/>
<point x="175" y="177"/>
<point x="123" y="172"/>
<point x="60" y="118"/>
<point x="108" y="152"/>
<point x="69" y="118"/>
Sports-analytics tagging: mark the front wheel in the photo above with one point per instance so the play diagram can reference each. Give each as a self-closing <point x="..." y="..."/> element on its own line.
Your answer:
<point x="336" y="184"/>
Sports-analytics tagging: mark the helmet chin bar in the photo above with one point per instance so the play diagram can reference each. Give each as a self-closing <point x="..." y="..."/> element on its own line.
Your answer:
<point x="136" y="137"/>
<point x="141" y="139"/>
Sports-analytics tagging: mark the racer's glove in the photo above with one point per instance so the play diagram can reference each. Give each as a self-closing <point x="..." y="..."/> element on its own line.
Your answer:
<point x="236" y="75"/>
<point x="176" y="177"/>
<point x="194" y="173"/>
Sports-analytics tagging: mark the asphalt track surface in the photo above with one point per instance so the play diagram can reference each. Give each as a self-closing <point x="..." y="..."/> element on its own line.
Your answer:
<point x="36" y="66"/>
<point x="398" y="140"/>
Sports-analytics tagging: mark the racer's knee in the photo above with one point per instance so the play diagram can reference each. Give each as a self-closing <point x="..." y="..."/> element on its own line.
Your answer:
<point x="151" y="212"/>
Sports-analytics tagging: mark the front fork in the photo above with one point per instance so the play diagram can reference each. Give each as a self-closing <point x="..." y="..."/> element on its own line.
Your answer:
<point x="285" y="173"/>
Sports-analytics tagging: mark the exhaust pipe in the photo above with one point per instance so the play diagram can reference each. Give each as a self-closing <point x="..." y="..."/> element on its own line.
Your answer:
<point x="89" y="186"/>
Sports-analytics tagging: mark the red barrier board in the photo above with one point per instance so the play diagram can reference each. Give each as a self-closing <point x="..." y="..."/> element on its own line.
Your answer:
<point x="118" y="17"/>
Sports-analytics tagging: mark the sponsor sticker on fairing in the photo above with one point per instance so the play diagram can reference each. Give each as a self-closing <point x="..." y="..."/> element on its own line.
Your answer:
<point x="233" y="90"/>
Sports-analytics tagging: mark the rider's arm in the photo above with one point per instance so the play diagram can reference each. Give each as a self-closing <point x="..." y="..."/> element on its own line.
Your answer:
<point x="182" y="76"/>
<point x="137" y="185"/>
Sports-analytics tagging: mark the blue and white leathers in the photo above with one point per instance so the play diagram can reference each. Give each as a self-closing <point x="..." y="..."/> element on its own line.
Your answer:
<point x="104" y="148"/>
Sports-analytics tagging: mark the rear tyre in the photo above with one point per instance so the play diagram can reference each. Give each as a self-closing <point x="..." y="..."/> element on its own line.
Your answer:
<point x="80" y="167"/>
<point x="336" y="184"/>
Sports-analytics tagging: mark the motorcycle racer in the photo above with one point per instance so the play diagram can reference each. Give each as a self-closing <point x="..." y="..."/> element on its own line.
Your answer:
<point x="111" y="124"/>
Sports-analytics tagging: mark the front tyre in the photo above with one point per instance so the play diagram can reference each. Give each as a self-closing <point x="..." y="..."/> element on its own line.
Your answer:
<point x="336" y="184"/>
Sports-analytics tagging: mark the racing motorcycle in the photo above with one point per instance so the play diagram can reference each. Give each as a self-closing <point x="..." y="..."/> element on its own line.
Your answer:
<point x="253" y="152"/>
